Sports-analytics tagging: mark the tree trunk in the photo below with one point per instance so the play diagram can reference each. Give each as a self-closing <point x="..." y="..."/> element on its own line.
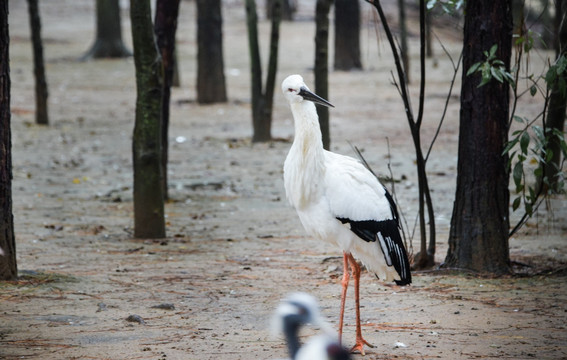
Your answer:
<point x="108" y="42"/>
<point x="147" y="149"/>
<point x="210" y="67"/>
<point x="8" y="265"/>
<point x="165" y="27"/>
<point x="272" y="64"/>
<point x="41" y="94"/>
<point x="429" y="40"/>
<point x="557" y="107"/>
<point x="404" y="39"/>
<point x="322" y="65"/>
<point x="260" y="131"/>
<point x="347" y="35"/>
<point x="478" y="238"/>
<point x="262" y="100"/>
<point x="287" y="9"/>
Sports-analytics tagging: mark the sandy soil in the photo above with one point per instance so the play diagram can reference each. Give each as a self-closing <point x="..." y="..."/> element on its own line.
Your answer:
<point x="234" y="246"/>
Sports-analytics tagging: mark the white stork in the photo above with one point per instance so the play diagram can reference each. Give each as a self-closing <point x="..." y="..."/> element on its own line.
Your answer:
<point x="298" y="310"/>
<point x="338" y="200"/>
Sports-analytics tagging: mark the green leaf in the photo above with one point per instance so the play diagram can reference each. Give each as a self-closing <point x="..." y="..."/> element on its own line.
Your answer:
<point x="532" y="194"/>
<point x="518" y="119"/>
<point x="529" y="209"/>
<point x="550" y="76"/>
<point x="548" y="156"/>
<point x="431" y="4"/>
<point x="510" y="145"/>
<point x="533" y="90"/>
<point x="496" y="74"/>
<point x="525" y="142"/>
<point x="493" y="50"/>
<point x="473" y="68"/>
<point x="538" y="131"/>
<point x="516" y="203"/>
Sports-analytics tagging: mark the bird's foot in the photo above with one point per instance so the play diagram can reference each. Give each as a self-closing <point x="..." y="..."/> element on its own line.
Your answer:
<point x="360" y="342"/>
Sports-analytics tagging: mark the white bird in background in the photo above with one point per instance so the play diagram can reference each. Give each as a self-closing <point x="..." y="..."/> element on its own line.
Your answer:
<point x="340" y="201"/>
<point x="298" y="310"/>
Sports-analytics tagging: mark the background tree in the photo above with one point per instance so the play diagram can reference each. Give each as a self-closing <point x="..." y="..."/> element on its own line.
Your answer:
<point x="347" y="35"/>
<point x="404" y="51"/>
<point x="149" y="221"/>
<point x="425" y="257"/>
<point x="478" y="238"/>
<point x="557" y="106"/>
<point x="211" y="86"/>
<point x="289" y="7"/>
<point x="262" y="100"/>
<point x="41" y="94"/>
<point x="322" y="65"/>
<point x="165" y="26"/>
<point x="108" y="42"/>
<point x="8" y="265"/>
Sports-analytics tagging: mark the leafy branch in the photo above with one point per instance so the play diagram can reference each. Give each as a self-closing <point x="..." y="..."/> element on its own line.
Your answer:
<point x="492" y="68"/>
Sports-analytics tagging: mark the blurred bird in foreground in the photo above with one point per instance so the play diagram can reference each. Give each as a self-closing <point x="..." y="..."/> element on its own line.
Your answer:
<point x="298" y="310"/>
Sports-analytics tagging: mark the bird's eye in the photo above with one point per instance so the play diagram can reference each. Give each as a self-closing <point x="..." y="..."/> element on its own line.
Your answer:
<point x="291" y="90"/>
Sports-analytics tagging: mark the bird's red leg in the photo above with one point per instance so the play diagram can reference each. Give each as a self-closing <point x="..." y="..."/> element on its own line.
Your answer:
<point x="344" y="284"/>
<point x="360" y="342"/>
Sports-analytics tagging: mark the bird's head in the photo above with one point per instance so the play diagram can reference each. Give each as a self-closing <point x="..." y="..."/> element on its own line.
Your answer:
<point x="295" y="91"/>
<point x="299" y="309"/>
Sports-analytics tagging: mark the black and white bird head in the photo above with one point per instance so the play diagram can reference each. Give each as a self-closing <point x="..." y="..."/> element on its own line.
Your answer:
<point x="295" y="91"/>
<point x="300" y="309"/>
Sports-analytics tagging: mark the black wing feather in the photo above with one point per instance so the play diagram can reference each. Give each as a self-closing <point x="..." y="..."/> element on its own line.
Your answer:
<point x="391" y="244"/>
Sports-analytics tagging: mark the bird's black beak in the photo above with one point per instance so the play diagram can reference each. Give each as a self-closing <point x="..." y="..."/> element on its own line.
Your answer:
<point x="308" y="95"/>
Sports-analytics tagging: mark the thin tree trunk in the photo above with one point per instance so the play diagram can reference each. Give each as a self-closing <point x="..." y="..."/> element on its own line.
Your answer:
<point x="478" y="238"/>
<point x="404" y="39"/>
<point x="8" y="264"/>
<point x="322" y="65"/>
<point x="272" y="64"/>
<point x="425" y="258"/>
<point x="259" y="131"/>
<point x="108" y="42"/>
<point x="262" y="100"/>
<point x="428" y="41"/>
<point x="210" y="73"/>
<point x="41" y="94"/>
<point x="347" y="35"/>
<point x="149" y="221"/>
<point x="287" y="10"/>
<point x="165" y="27"/>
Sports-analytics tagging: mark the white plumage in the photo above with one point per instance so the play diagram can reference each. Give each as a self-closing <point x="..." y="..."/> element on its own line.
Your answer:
<point x="340" y="201"/>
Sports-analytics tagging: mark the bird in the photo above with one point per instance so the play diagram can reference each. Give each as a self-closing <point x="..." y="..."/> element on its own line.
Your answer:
<point x="297" y="310"/>
<point x="339" y="201"/>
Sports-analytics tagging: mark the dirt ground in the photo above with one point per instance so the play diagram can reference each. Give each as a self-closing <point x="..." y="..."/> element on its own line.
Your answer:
<point x="88" y="290"/>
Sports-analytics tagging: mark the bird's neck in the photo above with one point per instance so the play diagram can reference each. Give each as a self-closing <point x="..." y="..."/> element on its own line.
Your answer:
<point x="291" y="332"/>
<point x="305" y="166"/>
<point x="308" y="138"/>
